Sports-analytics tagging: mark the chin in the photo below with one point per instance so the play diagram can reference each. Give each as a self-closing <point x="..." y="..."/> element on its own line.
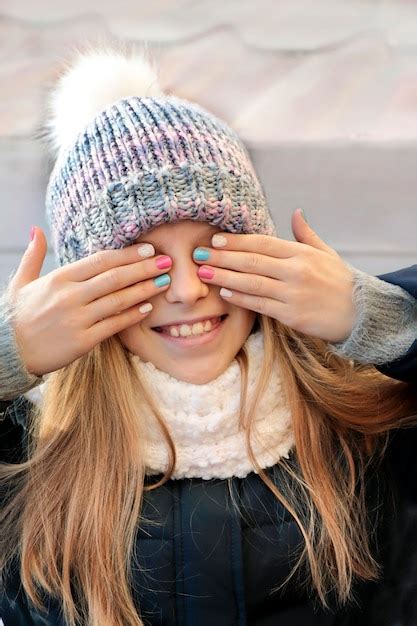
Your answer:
<point x="196" y="377"/>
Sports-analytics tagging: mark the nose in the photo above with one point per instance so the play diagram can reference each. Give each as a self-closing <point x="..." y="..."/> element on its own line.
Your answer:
<point x="185" y="286"/>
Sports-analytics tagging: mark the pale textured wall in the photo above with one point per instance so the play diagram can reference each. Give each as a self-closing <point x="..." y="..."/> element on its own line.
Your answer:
<point x="324" y="94"/>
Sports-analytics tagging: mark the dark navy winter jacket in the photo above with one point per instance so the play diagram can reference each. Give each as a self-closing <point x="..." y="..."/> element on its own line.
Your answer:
<point x="206" y="564"/>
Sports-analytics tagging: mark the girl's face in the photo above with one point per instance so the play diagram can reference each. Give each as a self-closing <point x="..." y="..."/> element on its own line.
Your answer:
<point x="187" y="298"/>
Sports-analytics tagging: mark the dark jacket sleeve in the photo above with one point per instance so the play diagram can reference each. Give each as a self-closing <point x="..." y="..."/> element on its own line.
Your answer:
<point x="405" y="367"/>
<point x="13" y="421"/>
<point x="396" y="601"/>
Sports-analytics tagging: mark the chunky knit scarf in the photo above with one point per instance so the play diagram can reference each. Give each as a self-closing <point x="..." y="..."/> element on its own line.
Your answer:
<point x="204" y="420"/>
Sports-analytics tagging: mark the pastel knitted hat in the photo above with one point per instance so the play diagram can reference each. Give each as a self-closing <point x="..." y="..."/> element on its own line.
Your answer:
<point x="130" y="158"/>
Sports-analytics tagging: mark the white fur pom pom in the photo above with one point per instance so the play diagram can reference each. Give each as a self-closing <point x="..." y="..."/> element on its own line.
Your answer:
<point x="93" y="81"/>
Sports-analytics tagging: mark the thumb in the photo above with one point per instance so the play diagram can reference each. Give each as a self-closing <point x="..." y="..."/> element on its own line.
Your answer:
<point x="31" y="263"/>
<point x="305" y="234"/>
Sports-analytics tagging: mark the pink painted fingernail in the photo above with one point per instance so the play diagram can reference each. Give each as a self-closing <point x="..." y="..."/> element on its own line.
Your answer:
<point x="205" y="272"/>
<point x="163" y="262"/>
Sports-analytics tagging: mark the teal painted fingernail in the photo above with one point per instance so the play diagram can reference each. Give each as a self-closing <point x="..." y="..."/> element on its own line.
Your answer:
<point x="303" y="215"/>
<point x="162" y="280"/>
<point x="200" y="254"/>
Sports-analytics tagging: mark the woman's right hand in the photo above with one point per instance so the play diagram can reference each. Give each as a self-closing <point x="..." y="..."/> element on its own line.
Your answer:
<point x="61" y="316"/>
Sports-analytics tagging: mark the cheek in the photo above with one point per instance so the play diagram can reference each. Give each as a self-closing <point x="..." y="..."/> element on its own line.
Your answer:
<point x="130" y="336"/>
<point x="246" y="316"/>
<point x="242" y="321"/>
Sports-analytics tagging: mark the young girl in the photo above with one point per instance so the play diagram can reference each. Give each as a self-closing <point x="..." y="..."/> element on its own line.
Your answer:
<point x="195" y="430"/>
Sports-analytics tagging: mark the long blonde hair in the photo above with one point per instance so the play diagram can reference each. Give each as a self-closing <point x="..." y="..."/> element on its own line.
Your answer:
<point x="76" y="500"/>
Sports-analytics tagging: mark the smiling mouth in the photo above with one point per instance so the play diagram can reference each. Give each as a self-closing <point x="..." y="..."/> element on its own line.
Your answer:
<point x="187" y="335"/>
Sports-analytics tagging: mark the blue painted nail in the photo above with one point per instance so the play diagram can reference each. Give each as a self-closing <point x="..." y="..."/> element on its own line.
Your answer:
<point x="162" y="280"/>
<point x="200" y="254"/>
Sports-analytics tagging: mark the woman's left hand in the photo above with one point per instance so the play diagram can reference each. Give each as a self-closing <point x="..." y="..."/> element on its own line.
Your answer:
<point x="304" y="284"/>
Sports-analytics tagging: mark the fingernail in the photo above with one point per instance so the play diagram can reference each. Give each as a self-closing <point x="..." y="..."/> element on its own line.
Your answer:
<point x="200" y="254"/>
<point x="225" y="292"/>
<point x="205" y="272"/>
<point x="146" y="250"/>
<point x="145" y="308"/>
<point x="161" y="281"/>
<point x="303" y="216"/>
<point x="32" y="233"/>
<point x="163" y="262"/>
<point x="218" y="241"/>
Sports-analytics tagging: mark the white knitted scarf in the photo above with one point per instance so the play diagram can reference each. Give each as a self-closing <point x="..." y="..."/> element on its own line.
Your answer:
<point x="203" y="420"/>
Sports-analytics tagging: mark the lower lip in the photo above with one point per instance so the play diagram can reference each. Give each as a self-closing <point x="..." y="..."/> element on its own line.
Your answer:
<point x="196" y="340"/>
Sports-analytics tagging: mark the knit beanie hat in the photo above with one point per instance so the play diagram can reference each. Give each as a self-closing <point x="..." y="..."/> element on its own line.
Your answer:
<point x="129" y="158"/>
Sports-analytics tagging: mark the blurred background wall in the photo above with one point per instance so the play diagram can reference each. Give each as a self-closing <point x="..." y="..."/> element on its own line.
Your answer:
<point x="324" y="95"/>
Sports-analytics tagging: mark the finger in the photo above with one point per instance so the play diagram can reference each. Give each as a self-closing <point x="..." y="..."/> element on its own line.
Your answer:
<point x="251" y="284"/>
<point x="104" y="260"/>
<point x="304" y="233"/>
<point x="31" y="263"/>
<point x="266" y="306"/>
<point x="117" y="278"/>
<point x="254" y="242"/>
<point x="250" y="262"/>
<point x="116" y="323"/>
<point x="121" y="300"/>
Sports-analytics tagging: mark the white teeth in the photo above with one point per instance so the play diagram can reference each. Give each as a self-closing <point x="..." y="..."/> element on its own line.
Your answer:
<point x="196" y="329"/>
